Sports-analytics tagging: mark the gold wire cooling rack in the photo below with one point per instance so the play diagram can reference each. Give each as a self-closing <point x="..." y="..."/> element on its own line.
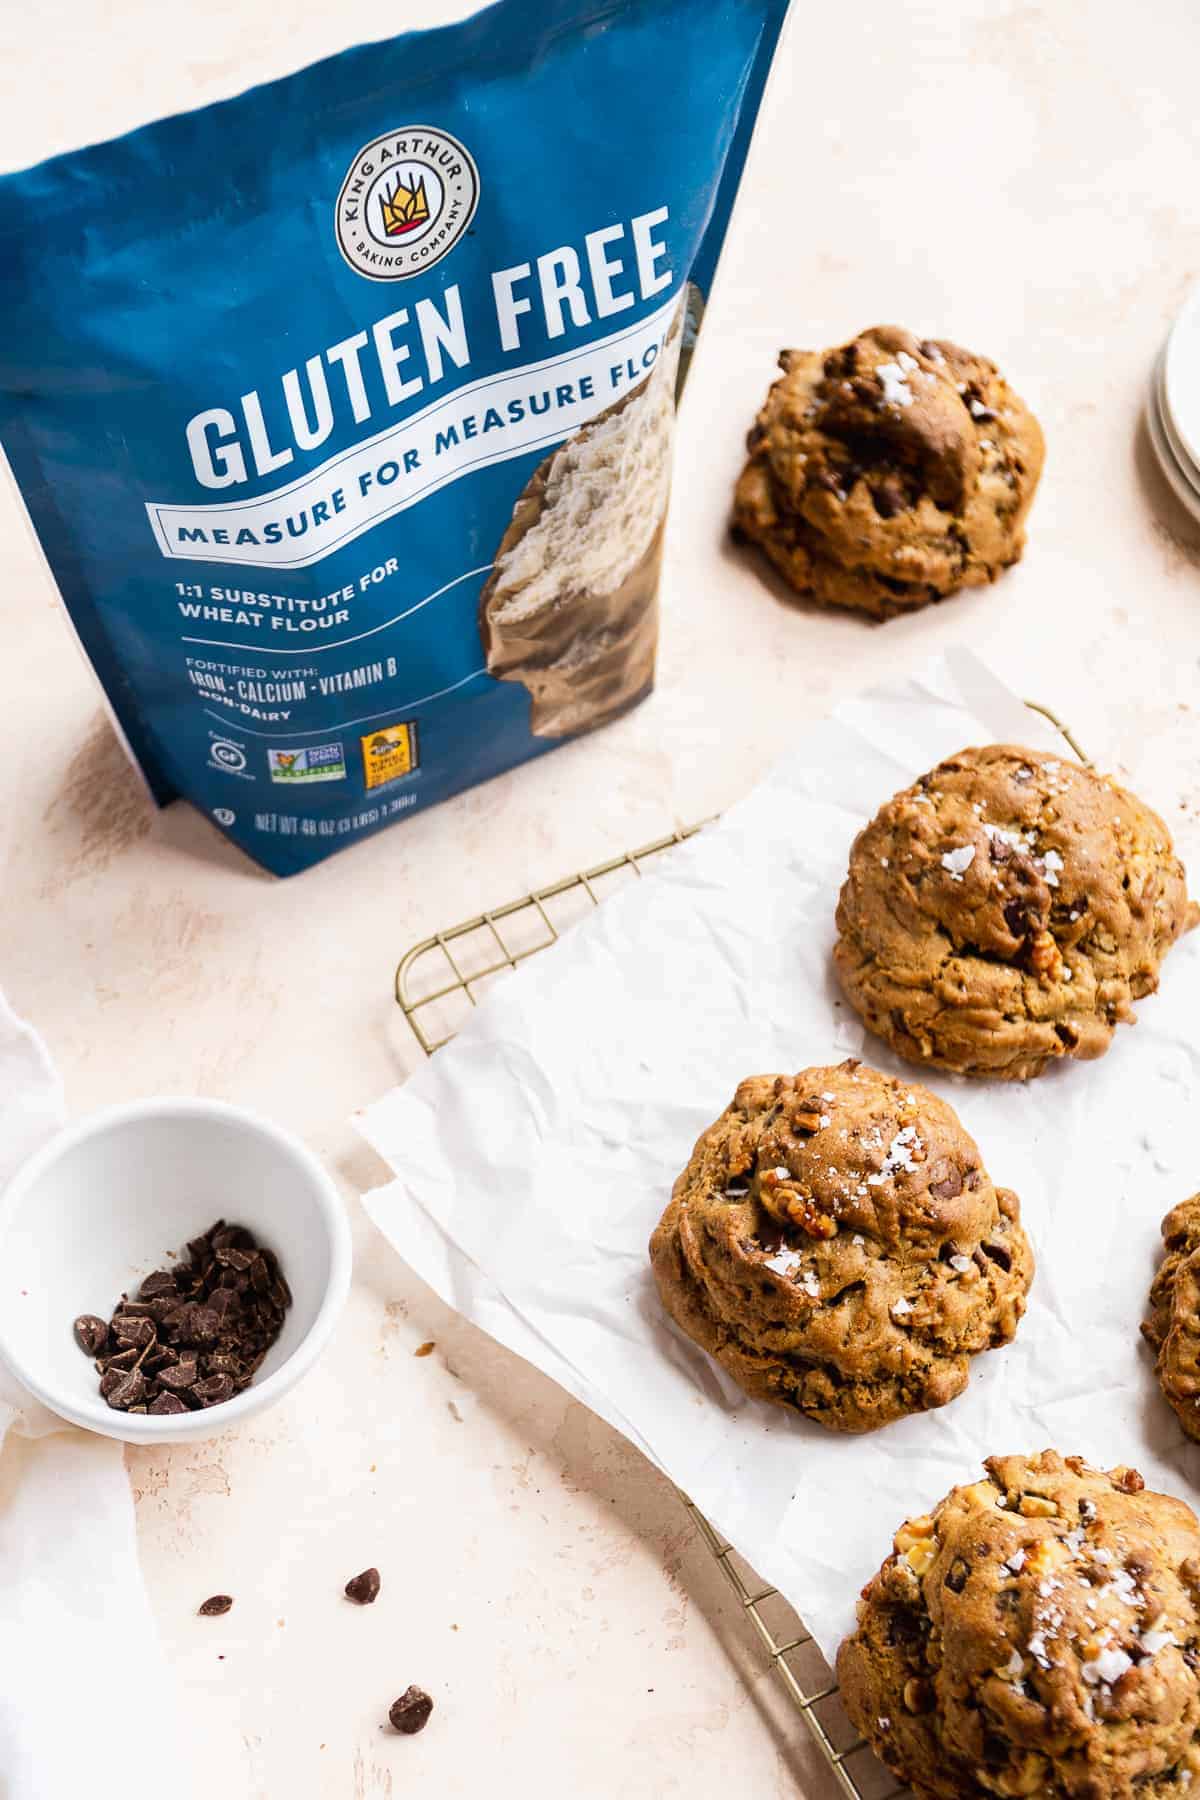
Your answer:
<point x="476" y="953"/>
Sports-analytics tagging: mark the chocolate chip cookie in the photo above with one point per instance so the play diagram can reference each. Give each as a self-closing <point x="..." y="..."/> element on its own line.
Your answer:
<point x="1007" y="910"/>
<point x="837" y="1245"/>
<point x="1173" y="1325"/>
<point x="1037" y="1634"/>
<point x="889" y="473"/>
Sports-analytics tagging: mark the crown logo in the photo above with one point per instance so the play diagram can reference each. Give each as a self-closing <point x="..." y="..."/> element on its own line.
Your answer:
<point x="404" y="208"/>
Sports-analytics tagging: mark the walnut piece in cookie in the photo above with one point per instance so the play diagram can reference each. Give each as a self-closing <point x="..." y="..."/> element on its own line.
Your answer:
<point x="888" y="473"/>
<point x="1005" y="911"/>
<point x="1172" y="1327"/>
<point x="836" y="1243"/>
<point x="1036" y="1634"/>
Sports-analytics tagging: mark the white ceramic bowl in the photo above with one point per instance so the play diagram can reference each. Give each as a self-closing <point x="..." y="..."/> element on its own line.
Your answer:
<point x="99" y="1207"/>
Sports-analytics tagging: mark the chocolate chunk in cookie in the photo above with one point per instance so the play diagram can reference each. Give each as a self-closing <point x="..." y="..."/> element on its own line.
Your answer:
<point x="837" y="1245"/>
<point x="889" y="472"/>
<point x="1172" y="1327"/>
<point x="1007" y="910"/>
<point x="1037" y="1633"/>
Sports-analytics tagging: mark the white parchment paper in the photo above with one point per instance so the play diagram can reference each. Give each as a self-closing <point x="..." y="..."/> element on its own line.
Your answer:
<point x="534" y="1155"/>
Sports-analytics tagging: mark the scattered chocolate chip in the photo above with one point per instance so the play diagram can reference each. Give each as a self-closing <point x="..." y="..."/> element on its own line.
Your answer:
<point x="410" y="1713"/>
<point x="998" y="1254"/>
<point x="197" y="1333"/>
<point x="214" y="1606"/>
<point x="91" y="1334"/>
<point x="425" y="1349"/>
<point x="364" y="1589"/>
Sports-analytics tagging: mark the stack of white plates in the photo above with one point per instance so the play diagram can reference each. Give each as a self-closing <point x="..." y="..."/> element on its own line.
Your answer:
<point x="1173" y="411"/>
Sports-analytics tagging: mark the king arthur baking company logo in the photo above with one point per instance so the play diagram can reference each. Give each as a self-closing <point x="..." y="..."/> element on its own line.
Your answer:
<point x="407" y="199"/>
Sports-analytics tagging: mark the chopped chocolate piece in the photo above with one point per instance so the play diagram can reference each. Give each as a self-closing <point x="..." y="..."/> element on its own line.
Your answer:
<point x="214" y="1389"/>
<point x="179" y="1375"/>
<point x="197" y="1333"/>
<point x="129" y="1390"/>
<point x="364" y="1588"/>
<point x="91" y="1334"/>
<point x="234" y="1259"/>
<point x="129" y="1330"/>
<point x="166" y="1403"/>
<point x="214" y="1606"/>
<point x="410" y="1713"/>
<point x="231" y="1237"/>
<point x="161" y="1283"/>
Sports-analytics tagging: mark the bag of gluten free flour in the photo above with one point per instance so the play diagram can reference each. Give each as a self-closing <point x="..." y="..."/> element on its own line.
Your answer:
<point x="343" y="409"/>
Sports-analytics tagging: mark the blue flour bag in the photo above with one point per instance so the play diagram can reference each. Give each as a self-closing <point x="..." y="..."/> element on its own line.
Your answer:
<point x="343" y="409"/>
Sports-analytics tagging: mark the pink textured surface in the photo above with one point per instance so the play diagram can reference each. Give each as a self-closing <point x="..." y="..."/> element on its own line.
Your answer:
<point x="1019" y="179"/>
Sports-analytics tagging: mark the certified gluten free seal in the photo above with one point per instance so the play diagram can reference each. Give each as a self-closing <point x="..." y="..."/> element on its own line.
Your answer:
<point x="407" y="198"/>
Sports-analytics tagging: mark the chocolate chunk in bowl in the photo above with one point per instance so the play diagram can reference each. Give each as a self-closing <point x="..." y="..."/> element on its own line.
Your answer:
<point x="83" y="1222"/>
<point x="196" y="1334"/>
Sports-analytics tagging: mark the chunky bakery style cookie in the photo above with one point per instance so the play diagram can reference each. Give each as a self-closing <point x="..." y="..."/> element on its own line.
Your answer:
<point x="1006" y="910"/>
<point x="889" y="473"/>
<point x="836" y="1244"/>
<point x="1037" y="1634"/>
<point x="1173" y="1325"/>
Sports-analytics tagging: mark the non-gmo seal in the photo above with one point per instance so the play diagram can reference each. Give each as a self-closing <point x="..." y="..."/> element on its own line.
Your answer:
<point x="407" y="199"/>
